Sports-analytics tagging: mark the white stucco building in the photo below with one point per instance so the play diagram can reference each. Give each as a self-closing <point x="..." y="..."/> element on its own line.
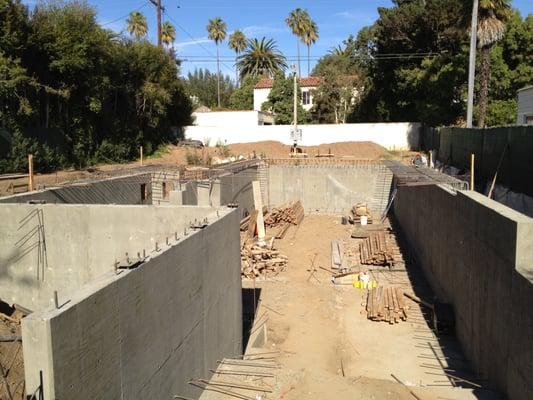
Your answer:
<point x="227" y="119"/>
<point x="264" y="86"/>
<point x="525" y="106"/>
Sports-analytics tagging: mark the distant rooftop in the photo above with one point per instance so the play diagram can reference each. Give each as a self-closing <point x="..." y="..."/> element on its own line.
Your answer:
<point x="310" y="81"/>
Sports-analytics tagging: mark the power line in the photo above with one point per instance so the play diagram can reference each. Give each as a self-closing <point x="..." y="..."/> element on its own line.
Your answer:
<point x="127" y="15"/>
<point x="194" y="40"/>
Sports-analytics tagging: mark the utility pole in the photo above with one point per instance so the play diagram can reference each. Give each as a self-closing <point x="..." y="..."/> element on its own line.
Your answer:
<point x="159" y="8"/>
<point x="472" y="66"/>
<point x="295" y="105"/>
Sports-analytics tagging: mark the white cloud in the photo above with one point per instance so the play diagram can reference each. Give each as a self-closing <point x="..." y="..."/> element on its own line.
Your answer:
<point x="192" y="42"/>
<point x="256" y="30"/>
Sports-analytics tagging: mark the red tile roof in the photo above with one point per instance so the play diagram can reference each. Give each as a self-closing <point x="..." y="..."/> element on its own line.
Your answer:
<point x="311" y="81"/>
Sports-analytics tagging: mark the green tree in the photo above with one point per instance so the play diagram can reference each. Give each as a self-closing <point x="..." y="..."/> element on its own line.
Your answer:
<point x="73" y="93"/>
<point x="335" y="97"/>
<point x="202" y="86"/>
<point x="281" y="101"/>
<point x="490" y="30"/>
<point x="261" y="58"/>
<point x="414" y="59"/>
<point x="298" y="22"/>
<point x="216" y="31"/>
<point x="309" y="38"/>
<point x="243" y="97"/>
<point x="168" y="34"/>
<point x="237" y="42"/>
<point x="137" y="25"/>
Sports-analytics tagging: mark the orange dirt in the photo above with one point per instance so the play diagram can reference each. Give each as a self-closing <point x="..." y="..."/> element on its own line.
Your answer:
<point x="272" y="149"/>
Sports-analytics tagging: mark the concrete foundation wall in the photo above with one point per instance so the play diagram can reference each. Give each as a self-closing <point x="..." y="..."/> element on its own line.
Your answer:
<point x="237" y="188"/>
<point x="144" y="333"/>
<point x="476" y="254"/>
<point x="326" y="189"/>
<point x="120" y="190"/>
<point x="60" y="247"/>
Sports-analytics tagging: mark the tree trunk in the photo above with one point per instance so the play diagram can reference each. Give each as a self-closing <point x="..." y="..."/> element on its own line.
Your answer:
<point x="484" y="78"/>
<point x="308" y="59"/>
<point x="237" y="72"/>
<point x="47" y="118"/>
<point x="218" y="76"/>
<point x="298" y="48"/>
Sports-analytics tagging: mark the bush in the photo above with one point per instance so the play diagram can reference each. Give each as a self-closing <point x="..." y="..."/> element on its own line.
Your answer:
<point x="193" y="158"/>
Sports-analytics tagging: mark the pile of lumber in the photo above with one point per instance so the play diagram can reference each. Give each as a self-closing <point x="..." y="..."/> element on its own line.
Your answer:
<point x="261" y="261"/>
<point x="373" y="250"/>
<point x="386" y="303"/>
<point x="283" y="217"/>
<point x="291" y="213"/>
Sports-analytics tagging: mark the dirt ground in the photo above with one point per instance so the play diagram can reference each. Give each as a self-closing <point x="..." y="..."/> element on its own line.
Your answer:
<point x="11" y="361"/>
<point x="326" y="347"/>
<point x="272" y="149"/>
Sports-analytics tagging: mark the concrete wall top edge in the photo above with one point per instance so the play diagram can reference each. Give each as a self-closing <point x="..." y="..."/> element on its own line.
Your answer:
<point x="108" y="278"/>
<point x="497" y="207"/>
<point x="78" y="184"/>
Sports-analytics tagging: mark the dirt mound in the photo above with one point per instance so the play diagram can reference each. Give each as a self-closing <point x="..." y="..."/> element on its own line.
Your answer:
<point x="272" y="149"/>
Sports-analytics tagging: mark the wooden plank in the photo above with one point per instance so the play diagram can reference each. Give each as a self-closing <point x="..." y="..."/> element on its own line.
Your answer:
<point x="252" y="223"/>
<point x="258" y="204"/>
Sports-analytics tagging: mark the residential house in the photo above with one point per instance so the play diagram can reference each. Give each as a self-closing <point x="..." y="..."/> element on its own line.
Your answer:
<point x="525" y="106"/>
<point x="307" y="85"/>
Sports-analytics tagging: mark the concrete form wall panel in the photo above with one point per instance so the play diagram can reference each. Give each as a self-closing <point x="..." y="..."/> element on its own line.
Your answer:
<point x="121" y="190"/>
<point x="326" y="189"/>
<point x="468" y="247"/>
<point x="82" y="242"/>
<point x="237" y="188"/>
<point x="146" y="332"/>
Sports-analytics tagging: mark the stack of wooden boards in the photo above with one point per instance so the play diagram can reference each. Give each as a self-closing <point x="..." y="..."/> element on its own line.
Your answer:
<point x="377" y="245"/>
<point x="259" y="260"/>
<point x="386" y="303"/>
<point x="283" y="217"/>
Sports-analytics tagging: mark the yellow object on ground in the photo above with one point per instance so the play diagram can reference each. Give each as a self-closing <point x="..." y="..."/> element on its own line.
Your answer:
<point x="361" y="285"/>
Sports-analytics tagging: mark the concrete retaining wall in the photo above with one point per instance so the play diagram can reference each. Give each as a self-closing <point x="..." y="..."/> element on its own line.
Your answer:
<point x="62" y="247"/>
<point x="144" y="333"/>
<point x="237" y="188"/>
<point x="393" y="136"/>
<point x="326" y="189"/>
<point x="120" y="190"/>
<point x="476" y="254"/>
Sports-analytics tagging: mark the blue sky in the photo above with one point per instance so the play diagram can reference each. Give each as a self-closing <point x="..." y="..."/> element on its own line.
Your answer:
<point x="336" y="19"/>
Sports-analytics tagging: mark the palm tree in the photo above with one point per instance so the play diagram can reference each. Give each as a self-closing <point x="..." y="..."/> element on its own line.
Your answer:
<point x="237" y="42"/>
<point x="297" y="21"/>
<point x="310" y="37"/>
<point x="137" y="25"/>
<point x="261" y="58"/>
<point x="168" y="34"/>
<point x="491" y="28"/>
<point x="216" y="31"/>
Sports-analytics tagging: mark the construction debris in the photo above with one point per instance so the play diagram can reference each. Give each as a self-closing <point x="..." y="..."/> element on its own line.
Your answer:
<point x="359" y="214"/>
<point x="386" y="303"/>
<point x="259" y="260"/>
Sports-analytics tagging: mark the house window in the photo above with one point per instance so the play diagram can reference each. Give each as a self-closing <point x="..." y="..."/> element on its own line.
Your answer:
<point x="306" y="98"/>
<point x="528" y="119"/>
